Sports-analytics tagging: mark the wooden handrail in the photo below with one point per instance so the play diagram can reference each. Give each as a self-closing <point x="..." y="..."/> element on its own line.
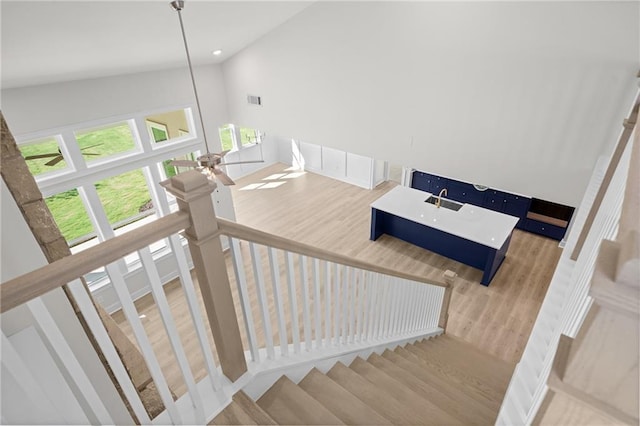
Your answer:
<point x="629" y="125"/>
<point x="604" y="353"/>
<point x="26" y="287"/>
<point x="243" y="232"/>
<point x="628" y="262"/>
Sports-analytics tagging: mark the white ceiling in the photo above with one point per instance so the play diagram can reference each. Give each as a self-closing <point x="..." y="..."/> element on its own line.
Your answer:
<point x="53" y="41"/>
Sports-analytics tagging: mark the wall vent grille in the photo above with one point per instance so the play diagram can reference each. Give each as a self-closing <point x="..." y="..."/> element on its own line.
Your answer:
<point x="254" y="100"/>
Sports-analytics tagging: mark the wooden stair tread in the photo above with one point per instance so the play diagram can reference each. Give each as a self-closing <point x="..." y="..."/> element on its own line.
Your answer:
<point x="489" y="394"/>
<point x="233" y="414"/>
<point x="453" y="359"/>
<point x="346" y="406"/>
<point x="453" y="390"/>
<point x="452" y="377"/>
<point x="253" y="409"/>
<point x="411" y="379"/>
<point x="498" y="371"/>
<point x="288" y="403"/>
<point x="379" y="400"/>
<point x="493" y="360"/>
<point x="420" y="407"/>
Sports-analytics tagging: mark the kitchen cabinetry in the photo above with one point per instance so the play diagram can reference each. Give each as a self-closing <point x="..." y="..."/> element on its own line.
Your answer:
<point x="542" y="228"/>
<point x="511" y="204"/>
<point x="428" y="182"/>
<point x="464" y="193"/>
<point x="548" y="218"/>
<point x="536" y="216"/>
<point x="494" y="200"/>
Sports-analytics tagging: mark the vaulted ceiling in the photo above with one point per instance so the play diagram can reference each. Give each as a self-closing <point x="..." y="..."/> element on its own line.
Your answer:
<point x="53" y="41"/>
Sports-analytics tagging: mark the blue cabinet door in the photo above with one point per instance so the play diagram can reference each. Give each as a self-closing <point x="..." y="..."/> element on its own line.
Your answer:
<point x="494" y="200"/>
<point x="438" y="184"/>
<point x="517" y="205"/>
<point x="421" y="181"/>
<point x="545" y="229"/>
<point x="464" y="193"/>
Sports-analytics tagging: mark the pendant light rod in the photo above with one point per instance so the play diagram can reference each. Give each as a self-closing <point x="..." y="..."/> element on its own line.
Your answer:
<point x="178" y="5"/>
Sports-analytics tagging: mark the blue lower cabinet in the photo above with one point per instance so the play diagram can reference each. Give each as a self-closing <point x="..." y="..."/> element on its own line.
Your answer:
<point x="464" y="193"/>
<point x="545" y="229"/>
<point x="518" y="206"/>
<point x="494" y="200"/>
<point x="438" y="184"/>
<point x="421" y="181"/>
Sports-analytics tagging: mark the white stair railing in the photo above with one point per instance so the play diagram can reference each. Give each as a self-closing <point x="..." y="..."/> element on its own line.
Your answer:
<point x="305" y="303"/>
<point x="296" y="301"/>
<point x="567" y="301"/>
<point x="178" y="408"/>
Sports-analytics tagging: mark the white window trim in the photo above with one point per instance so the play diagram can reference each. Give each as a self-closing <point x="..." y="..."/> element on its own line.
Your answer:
<point x="82" y="175"/>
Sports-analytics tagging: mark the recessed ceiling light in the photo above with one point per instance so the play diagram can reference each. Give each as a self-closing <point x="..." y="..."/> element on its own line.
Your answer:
<point x="217" y="52"/>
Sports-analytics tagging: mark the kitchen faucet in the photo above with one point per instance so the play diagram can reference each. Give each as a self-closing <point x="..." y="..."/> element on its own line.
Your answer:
<point x="440" y="197"/>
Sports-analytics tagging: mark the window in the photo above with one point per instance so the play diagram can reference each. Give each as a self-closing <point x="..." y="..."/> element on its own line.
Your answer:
<point x="169" y="125"/>
<point x="111" y="159"/>
<point x="248" y="136"/>
<point x="170" y="170"/>
<point x="105" y="142"/>
<point x="125" y="198"/>
<point x="227" y="137"/>
<point x="70" y="216"/>
<point x="158" y="131"/>
<point x="230" y="135"/>
<point x="43" y="156"/>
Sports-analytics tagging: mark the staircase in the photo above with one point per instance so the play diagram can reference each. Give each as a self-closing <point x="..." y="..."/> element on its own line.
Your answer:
<point x="441" y="381"/>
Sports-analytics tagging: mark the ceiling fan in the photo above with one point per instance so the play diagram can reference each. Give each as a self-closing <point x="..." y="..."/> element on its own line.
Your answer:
<point x="58" y="157"/>
<point x="208" y="163"/>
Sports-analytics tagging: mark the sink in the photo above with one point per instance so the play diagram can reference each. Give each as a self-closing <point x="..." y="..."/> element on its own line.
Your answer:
<point x="447" y="204"/>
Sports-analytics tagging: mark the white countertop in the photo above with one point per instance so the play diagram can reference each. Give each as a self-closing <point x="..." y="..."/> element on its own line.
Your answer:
<point x="470" y="222"/>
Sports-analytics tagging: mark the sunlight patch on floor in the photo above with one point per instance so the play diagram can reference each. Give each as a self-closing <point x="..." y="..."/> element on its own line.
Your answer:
<point x="275" y="180"/>
<point x="293" y="175"/>
<point x="272" y="185"/>
<point x="267" y="185"/>
<point x="275" y="176"/>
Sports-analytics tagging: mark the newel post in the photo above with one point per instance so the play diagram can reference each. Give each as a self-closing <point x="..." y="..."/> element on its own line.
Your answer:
<point x="449" y="278"/>
<point x="193" y="191"/>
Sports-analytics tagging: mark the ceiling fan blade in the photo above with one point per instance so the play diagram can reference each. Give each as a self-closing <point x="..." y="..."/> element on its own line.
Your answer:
<point x="222" y="177"/>
<point x="184" y="163"/>
<point x="241" y="162"/>
<point x="223" y="153"/>
<point x="90" y="146"/>
<point x="89" y="153"/>
<point x="55" y="161"/>
<point x="35" y="157"/>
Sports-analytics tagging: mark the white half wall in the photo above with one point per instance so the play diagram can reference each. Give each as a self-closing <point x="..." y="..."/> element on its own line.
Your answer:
<point x="523" y="96"/>
<point x="21" y="254"/>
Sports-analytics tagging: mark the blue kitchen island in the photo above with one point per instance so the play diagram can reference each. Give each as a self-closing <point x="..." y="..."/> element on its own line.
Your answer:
<point x="472" y="235"/>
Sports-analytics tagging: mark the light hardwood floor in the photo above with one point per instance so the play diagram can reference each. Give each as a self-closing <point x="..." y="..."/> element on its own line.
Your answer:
<point x="335" y="216"/>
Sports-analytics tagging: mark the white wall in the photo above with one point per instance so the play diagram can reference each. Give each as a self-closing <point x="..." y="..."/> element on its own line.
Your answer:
<point x="35" y="108"/>
<point x="347" y="167"/>
<point x="522" y="96"/>
<point x="266" y="151"/>
<point x="45" y="108"/>
<point x="29" y="110"/>
<point x="21" y="254"/>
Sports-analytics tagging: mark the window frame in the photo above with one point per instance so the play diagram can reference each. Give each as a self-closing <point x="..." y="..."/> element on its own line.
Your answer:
<point x="81" y="175"/>
<point x="236" y="137"/>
